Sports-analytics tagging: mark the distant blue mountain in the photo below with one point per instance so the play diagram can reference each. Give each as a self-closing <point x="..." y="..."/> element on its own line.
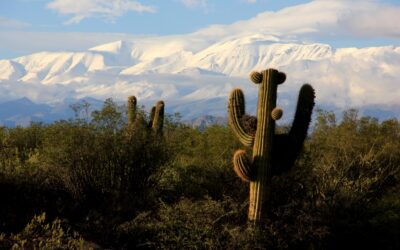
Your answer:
<point x="21" y="112"/>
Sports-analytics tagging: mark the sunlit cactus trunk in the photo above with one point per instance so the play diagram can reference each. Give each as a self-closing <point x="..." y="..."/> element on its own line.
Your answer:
<point x="272" y="154"/>
<point x="263" y="143"/>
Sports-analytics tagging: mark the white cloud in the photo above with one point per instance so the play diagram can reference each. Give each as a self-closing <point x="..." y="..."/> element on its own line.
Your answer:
<point x="55" y="41"/>
<point x="106" y="9"/>
<point x="12" y="23"/>
<point x="250" y="1"/>
<point x="383" y="22"/>
<point x="195" y="3"/>
<point x="80" y="41"/>
<point x="321" y="19"/>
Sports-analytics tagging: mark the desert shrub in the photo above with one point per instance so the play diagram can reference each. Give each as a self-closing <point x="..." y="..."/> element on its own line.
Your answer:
<point x="184" y="225"/>
<point x="383" y="223"/>
<point x="201" y="166"/>
<point x="106" y="168"/>
<point x="212" y="224"/>
<point x="343" y="188"/>
<point x="26" y="187"/>
<point x="24" y="195"/>
<point x="355" y="164"/>
<point x="101" y="158"/>
<point x="122" y="188"/>
<point x="19" y="147"/>
<point x="41" y="235"/>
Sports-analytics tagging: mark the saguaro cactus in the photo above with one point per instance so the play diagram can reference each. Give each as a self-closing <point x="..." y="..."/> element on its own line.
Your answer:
<point x="131" y="110"/>
<point x="272" y="154"/>
<point x="156" y="116"/>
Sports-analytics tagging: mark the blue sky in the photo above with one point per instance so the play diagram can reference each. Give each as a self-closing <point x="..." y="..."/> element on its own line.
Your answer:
<point x="169" y="16"/>
<point x="28" y="26"/>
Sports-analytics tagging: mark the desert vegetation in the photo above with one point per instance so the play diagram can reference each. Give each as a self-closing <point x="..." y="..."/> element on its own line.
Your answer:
<point x="104" y="182"/>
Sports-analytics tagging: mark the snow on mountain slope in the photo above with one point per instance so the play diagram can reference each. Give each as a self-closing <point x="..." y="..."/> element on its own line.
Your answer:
<point x="119" y="53"/>
<point x="234" y="57"/>
<point x="52" y="68"/>
<point x="239" y="56"/>
<point x="10" y="70"/>
<point x="198" y="79"/>
<point x="161" y="64"/>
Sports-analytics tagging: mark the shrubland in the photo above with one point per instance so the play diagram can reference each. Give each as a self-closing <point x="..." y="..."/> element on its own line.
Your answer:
<point x="103" y="184"/>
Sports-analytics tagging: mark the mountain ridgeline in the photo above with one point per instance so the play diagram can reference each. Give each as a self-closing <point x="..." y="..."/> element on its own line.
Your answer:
<point x="195" y="77"/>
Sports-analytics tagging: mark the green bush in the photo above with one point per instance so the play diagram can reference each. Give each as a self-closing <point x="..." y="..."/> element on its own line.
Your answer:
<point x="201" y="166"/>
<point x="101" y="158"/>
<point x="41" y="235"/>
<point x="183" y="225"/>
<point x="122" y="188"/>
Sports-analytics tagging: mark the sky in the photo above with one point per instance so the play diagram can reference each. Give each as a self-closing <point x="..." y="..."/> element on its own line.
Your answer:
<point x="28" y="26"/>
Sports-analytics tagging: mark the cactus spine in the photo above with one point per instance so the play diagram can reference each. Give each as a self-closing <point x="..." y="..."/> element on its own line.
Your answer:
<point x="272" y="154"/>
<point x="156" y="115"/>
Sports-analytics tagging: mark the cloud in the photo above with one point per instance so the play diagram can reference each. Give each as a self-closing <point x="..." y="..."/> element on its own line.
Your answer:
<point x="195" y="3"/>
<point x="15" y="41"/>
<point x="306" y="22"/>
<point x="105" y="9"/>
<point x="12" y="23"/>
<point x="321" y="19"/>
<point x="250" y="1"/>
<point x="351" y="77"/>
<point x="55" y="41"/>
<point x="383" y="22"/>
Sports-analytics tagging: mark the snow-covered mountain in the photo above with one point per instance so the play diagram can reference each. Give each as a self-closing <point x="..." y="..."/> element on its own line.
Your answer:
<point x="194" y="77"/>
<point x="232" y="57"/>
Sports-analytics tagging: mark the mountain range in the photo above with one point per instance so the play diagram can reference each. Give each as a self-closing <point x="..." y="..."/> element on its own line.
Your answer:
<point x="194" y="76"/>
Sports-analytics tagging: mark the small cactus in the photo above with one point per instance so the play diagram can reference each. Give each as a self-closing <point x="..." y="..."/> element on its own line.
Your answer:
<point x="131" y="110"/>
<point x="156" y="116"/>
<point x="272" y="154"/>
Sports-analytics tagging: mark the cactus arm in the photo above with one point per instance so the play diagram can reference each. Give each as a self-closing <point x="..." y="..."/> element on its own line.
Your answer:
<point x="243" y="166"/>
<point x="302" y="118"/>
<point x="236" y="110"/>
<point x="287" y="147"/>
<point x="158" y="120"/>
<point x="131" y="110"/>
<point x="152" y="114"/>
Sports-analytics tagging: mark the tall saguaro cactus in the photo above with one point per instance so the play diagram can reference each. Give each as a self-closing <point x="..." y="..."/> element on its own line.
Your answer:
<point x="156" y="115"/>
<point x="272" y="154"/>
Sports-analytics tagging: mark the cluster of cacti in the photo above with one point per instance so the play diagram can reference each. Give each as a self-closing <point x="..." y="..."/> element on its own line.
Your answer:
<point x="156" y="115"/>
<point x="273" y="153"/>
